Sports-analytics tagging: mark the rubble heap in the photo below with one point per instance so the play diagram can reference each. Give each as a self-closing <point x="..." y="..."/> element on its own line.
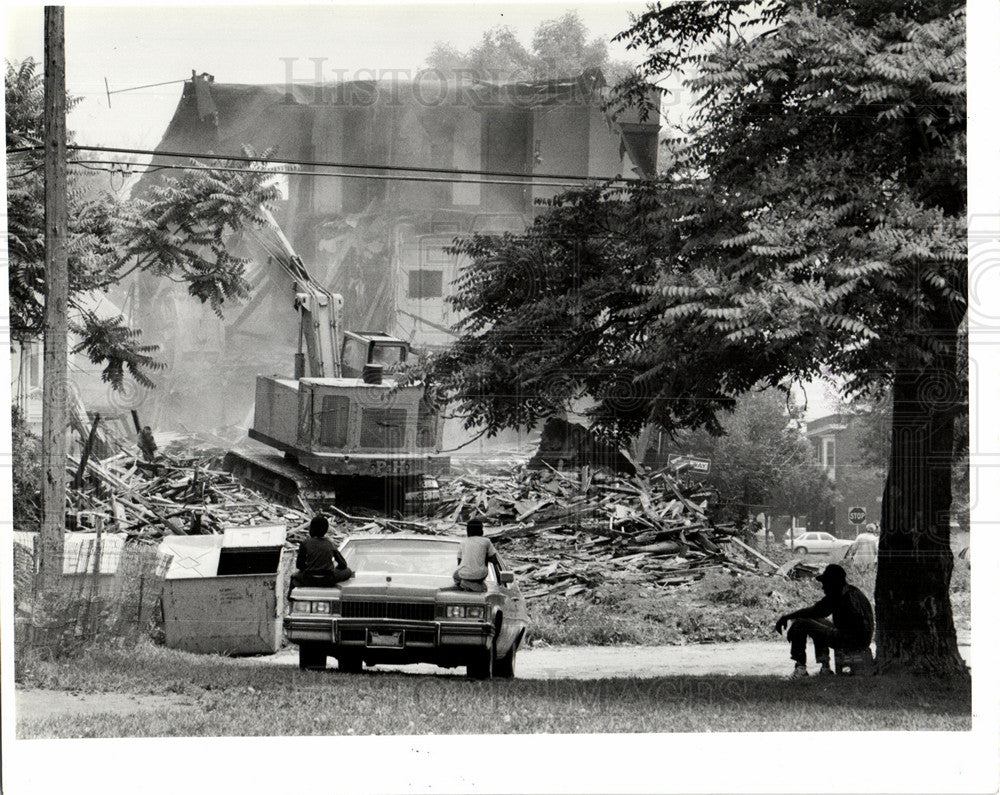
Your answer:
<point x="174" y="495"/>
<point x="561" y="532"/>
<point x="567" y="532"/>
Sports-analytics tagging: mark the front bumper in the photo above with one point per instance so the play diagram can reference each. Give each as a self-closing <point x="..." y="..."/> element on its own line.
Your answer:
<point x="441" y="642"/>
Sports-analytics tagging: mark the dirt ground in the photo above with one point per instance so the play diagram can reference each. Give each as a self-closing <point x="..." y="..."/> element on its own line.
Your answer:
<point x="748" y="658"/>
<point x="43" y="704"/>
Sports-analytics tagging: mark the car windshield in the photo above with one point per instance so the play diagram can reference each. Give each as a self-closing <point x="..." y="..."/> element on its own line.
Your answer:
<point x="402" y="556"/>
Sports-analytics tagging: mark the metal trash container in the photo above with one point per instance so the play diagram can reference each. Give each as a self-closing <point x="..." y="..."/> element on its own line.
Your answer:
<point x="225" y="594"/>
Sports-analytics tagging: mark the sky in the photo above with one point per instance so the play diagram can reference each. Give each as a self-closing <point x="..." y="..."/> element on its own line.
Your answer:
<point x="136" y="46"/>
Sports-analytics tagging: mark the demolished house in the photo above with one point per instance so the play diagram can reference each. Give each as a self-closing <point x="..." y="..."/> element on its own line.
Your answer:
<point x="407" y="169"/>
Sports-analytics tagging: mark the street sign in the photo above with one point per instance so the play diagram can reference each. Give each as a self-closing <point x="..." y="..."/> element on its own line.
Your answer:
<point x="857" y="515"/>
<point x="689" y="463"/>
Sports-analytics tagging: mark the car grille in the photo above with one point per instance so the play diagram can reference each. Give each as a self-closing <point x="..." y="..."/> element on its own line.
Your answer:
<point x="360" y="635"/>
<point x="412" y="611"/>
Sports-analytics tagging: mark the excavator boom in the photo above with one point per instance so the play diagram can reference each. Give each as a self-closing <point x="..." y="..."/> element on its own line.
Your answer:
<point x="320" y="311"/>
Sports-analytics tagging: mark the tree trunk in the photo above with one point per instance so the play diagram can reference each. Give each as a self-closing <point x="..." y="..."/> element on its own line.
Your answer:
<point x="915" y="632"/>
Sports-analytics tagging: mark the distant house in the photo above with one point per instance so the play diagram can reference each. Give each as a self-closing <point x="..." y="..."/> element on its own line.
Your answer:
<point x="26" y="380"/>
<point x="859" y="483"/>
<point x="391" y="174"/>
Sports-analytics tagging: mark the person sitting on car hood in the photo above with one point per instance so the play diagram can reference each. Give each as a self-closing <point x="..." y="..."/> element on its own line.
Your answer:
<point x="852" y="627"/>
<point x="473" y="556"/>
<point x="316" y="556"/>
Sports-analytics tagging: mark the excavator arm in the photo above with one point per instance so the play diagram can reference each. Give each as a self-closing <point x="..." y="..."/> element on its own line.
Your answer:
<point x="320" y="311"/>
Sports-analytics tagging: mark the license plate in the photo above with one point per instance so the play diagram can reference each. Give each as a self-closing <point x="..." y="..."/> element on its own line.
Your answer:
<point x="390" y="639"/>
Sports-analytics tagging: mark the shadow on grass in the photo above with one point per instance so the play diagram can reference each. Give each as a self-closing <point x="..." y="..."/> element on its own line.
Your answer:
<point x="817" y="694"/>
<point x="226" y="697"/>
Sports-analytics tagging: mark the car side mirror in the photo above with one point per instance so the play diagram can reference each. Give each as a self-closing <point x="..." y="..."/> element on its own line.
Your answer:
<point x="506" y="577"/>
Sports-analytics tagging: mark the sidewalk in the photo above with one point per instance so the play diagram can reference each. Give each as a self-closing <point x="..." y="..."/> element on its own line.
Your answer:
<point x="742" y="658"/>
<point x="745" y="658"/>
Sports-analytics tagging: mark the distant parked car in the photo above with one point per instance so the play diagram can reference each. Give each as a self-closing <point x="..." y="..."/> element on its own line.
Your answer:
<point x="817" y="543"/>
<point x="402" y="606"/>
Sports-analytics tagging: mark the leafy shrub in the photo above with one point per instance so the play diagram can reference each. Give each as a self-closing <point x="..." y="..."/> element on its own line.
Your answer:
<point x="26" y="460"/>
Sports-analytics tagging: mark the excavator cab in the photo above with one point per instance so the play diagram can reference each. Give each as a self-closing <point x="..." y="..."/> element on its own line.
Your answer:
<point x="370" y="347"/>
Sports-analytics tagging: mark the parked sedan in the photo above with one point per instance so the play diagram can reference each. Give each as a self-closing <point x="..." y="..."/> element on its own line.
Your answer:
<point x="402" y="606"/>
<point x="817" y="543"/>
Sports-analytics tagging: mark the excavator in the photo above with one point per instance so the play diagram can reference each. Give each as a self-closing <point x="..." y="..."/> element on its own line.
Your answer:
<point x="348" y="430"/>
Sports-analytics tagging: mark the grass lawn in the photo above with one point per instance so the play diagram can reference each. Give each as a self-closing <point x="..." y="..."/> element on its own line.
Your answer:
<point x="230" y="697"/>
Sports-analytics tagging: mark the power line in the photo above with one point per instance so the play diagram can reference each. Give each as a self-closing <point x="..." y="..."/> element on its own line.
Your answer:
<point x="332" y="164"/>
<point x="25" y="173"/>
<point x="91" y="165"/>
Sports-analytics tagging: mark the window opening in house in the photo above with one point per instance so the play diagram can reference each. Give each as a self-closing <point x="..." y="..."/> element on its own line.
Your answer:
<point x="829" y="453"/>
<point x="426" y="284"/>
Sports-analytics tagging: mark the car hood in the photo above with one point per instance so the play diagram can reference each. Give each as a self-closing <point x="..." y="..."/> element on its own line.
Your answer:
<point x="414" y="586"/>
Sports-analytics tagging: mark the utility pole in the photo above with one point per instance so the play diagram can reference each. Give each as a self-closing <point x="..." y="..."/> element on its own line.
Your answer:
<point x="54" y="383"/>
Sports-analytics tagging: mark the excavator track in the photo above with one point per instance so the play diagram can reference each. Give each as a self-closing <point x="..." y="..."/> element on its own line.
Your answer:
<point x="282" y="481"/>
<point x="285" y="482"/>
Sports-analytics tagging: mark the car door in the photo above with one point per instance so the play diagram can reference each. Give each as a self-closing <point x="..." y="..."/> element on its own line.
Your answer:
<point x="825" y="542"/>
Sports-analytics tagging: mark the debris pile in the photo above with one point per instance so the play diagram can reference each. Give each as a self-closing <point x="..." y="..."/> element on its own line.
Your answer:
<point x="561" y="532"/>
<point x="173" y="495"/>
<point x="568" y="532"/>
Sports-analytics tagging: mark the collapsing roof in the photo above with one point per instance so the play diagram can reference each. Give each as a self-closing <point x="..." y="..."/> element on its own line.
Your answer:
<point x="223" y="118"/>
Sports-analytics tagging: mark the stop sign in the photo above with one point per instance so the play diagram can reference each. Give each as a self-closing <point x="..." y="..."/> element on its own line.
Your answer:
<point x="857" y="515"/>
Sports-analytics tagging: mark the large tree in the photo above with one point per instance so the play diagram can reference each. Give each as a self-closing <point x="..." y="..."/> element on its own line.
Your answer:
<point x="177" y="231"/>
<point x="813" y="215"/>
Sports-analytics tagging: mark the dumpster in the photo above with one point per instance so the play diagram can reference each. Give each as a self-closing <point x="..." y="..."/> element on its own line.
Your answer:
<point x="225" y="593"/>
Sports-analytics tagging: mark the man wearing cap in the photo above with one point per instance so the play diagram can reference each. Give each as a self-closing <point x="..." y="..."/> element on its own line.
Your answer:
<point x="851" y="629"/>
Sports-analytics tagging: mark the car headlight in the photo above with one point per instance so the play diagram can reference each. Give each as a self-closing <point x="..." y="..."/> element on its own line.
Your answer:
<point x="307" y="606"/>
<point x="465" y="611"/>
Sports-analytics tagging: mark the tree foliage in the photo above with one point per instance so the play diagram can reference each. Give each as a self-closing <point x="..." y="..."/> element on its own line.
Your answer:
<point x="760" y="459"/>
<point x="178" y="231"/>
<point x="560" y="47"/>
<point x="26" y="470"/>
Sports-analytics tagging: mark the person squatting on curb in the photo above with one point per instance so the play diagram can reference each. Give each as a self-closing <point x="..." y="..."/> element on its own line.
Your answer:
<point x="851" y="629"/>
<point x="316" y="557"/>
<point x="473" y="556"/>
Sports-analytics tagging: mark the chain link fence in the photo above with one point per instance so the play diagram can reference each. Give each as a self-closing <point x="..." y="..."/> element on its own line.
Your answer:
<point x="109" y="591"/>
